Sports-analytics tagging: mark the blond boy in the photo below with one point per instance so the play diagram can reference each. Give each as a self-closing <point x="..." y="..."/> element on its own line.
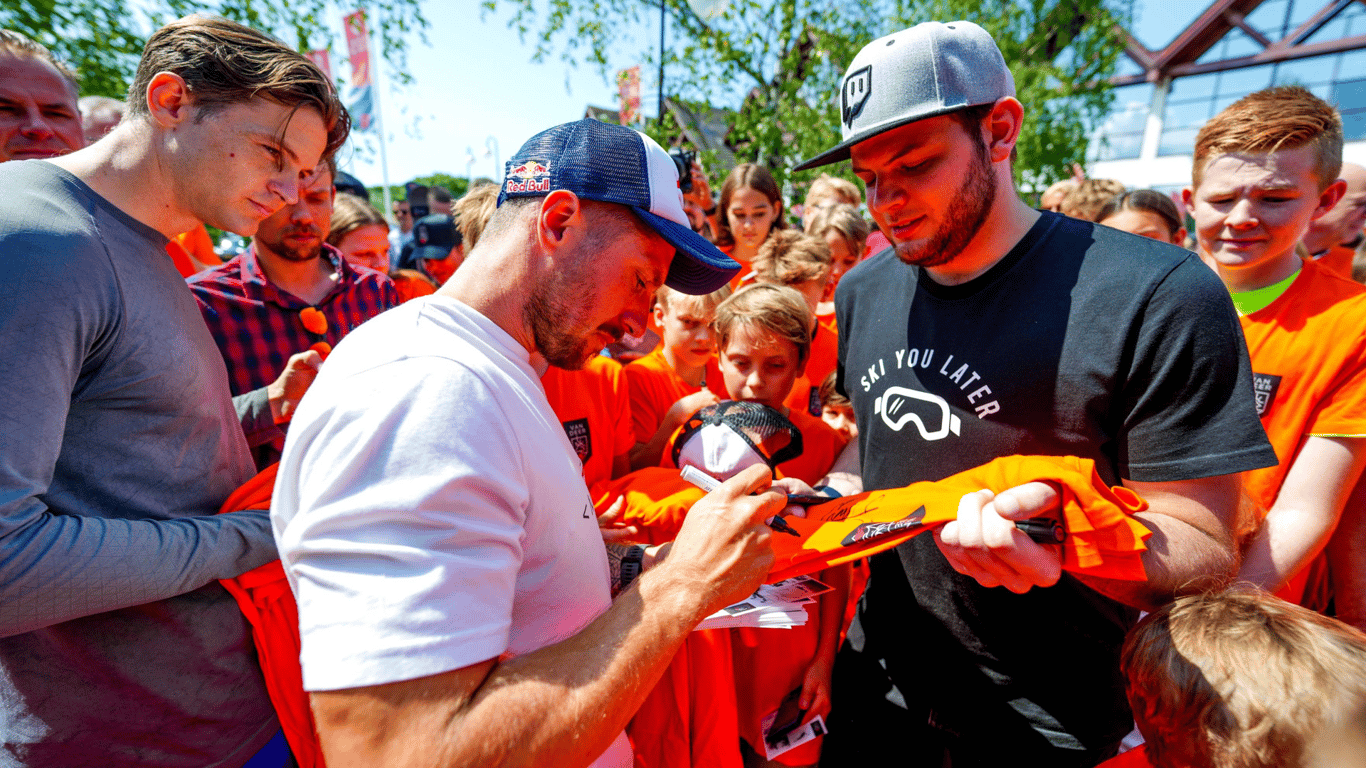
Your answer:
<point x="670" y="384"/>
<point x="1240" y="679"/>
<point x="1264" y="169"/>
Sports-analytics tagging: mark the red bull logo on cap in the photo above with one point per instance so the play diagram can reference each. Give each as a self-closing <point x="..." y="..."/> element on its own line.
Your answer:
<point x="530" y="176"/>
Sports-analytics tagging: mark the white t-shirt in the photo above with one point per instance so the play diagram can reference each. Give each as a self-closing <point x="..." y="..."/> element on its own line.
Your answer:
<point x="430" y="511"/>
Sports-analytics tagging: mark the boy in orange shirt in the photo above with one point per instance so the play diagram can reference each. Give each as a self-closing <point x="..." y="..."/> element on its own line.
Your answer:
<point x="594" y="407"/>
<point x="669" y="384"/>
<point x="1265" y="168"/>
<point x="802" y="262"/>
<point x="764" y="334"/>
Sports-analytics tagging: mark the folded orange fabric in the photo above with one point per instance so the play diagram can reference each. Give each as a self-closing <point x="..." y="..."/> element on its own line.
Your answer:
<point x="264" y="597"/>
<point x="1103" y="538"/>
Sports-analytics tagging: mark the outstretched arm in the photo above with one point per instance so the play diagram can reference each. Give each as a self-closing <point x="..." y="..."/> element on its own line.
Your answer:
<point x="1306" y="510"/>
<point x="563" y="704"/>
<point x="1191" y="548"/>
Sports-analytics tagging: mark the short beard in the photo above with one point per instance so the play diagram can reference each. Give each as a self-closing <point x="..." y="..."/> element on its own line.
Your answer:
<point x="293" y="254"/>
<point x="551" y="314"/>
<point x="971" y="206"/>
<point x="555" y="305"/>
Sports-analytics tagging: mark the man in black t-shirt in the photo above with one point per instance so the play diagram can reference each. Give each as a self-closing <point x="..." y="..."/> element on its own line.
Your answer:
<point x="991" y="329"/>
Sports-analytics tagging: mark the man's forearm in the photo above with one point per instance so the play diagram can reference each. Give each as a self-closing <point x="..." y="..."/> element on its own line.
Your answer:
<point x="60" y="567"/>
<point x="562" y="705"/>
<point x="1181" y="559"/>
<point x="1191" y="548"/>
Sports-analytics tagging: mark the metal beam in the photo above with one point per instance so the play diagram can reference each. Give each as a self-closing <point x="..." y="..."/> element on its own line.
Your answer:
<point x="1311" y="25"/>
<point x="1237" y="20"/>
<point x="1209" y="28"/>
<point x="1270" y="56"/>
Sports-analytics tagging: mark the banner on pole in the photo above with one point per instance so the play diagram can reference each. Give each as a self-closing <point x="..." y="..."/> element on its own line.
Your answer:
<point x="322" y="59"/>
<point x="361" y="105"/>
<point x="628" y="95"/>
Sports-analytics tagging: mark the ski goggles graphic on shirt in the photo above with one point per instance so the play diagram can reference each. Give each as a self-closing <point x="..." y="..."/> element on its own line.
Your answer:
<point x="898" y="407"/>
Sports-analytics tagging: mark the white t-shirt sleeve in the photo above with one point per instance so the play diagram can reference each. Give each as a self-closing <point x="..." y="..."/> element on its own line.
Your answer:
<point x="402" y="536"/>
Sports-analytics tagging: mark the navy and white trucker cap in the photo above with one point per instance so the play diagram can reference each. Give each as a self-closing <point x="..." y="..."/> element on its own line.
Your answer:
<point x="614" y="164"/>
<point x="930" y="69"/>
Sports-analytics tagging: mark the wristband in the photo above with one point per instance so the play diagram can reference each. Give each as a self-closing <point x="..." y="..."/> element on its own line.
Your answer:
<point x="826" y="490"/>
<point x="631" y="566"/>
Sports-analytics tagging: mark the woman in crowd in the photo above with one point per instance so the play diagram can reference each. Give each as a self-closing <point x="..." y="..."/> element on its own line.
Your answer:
<point x="751" y="207"/>
<point x="1144" y="212"/>
<point x="360" y="232"/>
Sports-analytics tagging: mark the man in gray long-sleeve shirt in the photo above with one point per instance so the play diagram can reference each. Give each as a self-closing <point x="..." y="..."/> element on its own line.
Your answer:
<point x="119" y="440"/>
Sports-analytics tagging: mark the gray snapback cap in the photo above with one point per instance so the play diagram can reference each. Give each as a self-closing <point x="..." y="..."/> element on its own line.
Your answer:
<point x="927" y="70"/>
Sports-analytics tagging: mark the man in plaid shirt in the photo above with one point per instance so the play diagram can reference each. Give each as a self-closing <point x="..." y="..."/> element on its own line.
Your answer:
<point x="287" y="300"/>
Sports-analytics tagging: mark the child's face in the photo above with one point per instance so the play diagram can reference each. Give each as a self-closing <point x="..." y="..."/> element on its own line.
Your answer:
<point x="1250" y="209"/>
<point x="813" y="291"/>
<point x="1145" y="223"/>
<point x="841" y="417"/>
<point x="759" y="366"/>
<point x="688" y="332"/>
<point x="751" y="216"/>
<point x="841" y="258"/>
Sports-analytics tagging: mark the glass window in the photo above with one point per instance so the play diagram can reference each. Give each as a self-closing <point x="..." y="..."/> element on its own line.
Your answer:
<point x="1116" y="146"/>
<point x="1240" y="82"/>
<point x="1186" y="115"/>
<point x="1156" y="23"/>
<point x="1354" y="126"/>
<point x="1195" y="86"/>
<point x="1269" y="18"/>
<point x="1304" y="71"/>
<point x="1340" y="26"/>
<point x="1180" y="141"/>
<point x="1233" y="45"/>
<point x="1349" y="95"/>
<point x="1351" y="64"/>
<point x="1120" y="136"/>
<point x="1301" y="10"/>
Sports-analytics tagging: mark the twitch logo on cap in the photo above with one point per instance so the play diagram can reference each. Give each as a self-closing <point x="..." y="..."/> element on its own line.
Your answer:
<point x="858" y="86"/>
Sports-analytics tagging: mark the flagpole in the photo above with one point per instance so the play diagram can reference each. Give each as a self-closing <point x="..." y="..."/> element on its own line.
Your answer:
<point x="379" y="116"/>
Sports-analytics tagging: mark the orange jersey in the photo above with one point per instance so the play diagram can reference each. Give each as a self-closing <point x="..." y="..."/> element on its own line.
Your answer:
<point x="1338" y="260"/>
<point x="199" y="246"/>
<point x="1308" y="350"/>
<point x="264" y="597"/>
<point x="806" y="390"/>
<point x="689" y="718"/>
<point x="821" y="445"/>
<point x="769" y="663"/>
<point x="593" y="405"/>
<point x="654" y="387"/>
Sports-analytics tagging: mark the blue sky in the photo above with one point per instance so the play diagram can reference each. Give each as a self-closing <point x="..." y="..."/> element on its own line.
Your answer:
<point x="474" y="81"/>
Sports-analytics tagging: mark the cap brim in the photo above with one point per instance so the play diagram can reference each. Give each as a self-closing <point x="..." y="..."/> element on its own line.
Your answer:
<point x="698" y="267"/>
<point x="840" y="151"/>
<point x="433" y="252"/>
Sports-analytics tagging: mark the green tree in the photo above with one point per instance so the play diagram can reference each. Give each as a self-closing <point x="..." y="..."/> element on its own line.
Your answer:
<point x="102" y="39"/>
<point x="778" y="63"/>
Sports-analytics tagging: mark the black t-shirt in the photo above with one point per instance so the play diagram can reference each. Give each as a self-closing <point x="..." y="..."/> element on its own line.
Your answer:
<point x="1082" y="341"/>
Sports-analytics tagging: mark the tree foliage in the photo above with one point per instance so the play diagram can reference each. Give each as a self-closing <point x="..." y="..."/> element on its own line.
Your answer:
<point x="102" y="39"/>
<point x="778" y="63"/>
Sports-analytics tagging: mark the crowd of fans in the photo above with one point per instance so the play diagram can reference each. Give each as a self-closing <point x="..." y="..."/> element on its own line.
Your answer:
<point x="1238" y="414"/>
